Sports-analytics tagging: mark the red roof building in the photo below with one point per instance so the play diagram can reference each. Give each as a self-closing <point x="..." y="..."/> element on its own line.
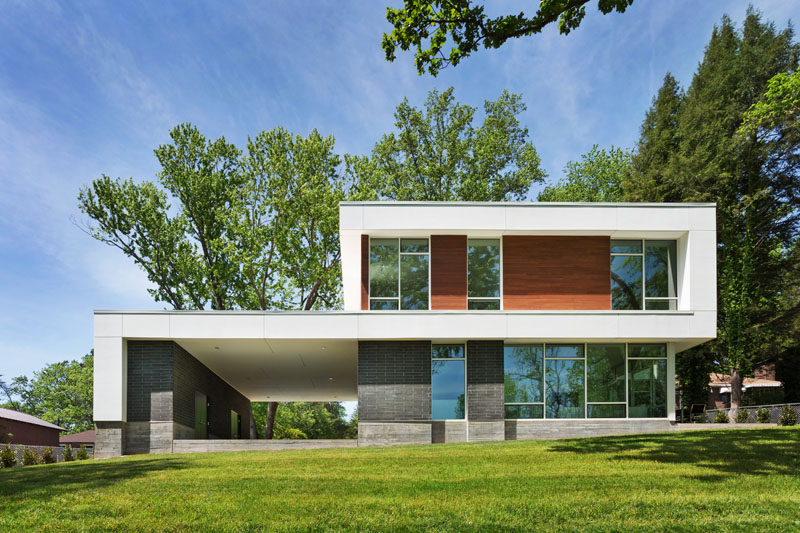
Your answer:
<point x="27" y="429"/>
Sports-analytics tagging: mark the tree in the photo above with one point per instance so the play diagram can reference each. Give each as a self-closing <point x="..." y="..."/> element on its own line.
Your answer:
<point x="60" y="393"/>
<point x="437" y="153"/>
<point x="597" y="177"/>
<point x="757" y="201"/>
<point x="427" y="25"/>
<point x="227" y="230"/>
<point x="306" y="420"/>
<point x="7" y="392"/>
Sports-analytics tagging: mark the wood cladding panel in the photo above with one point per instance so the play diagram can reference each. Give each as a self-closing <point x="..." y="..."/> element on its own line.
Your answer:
<point x="364" y="272"/>
<point x="448" y="271"/>
<point x="556" y="272"/>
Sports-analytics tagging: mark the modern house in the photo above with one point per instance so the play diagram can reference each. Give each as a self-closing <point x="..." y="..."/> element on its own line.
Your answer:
<point x="22" y="428"/>
<point x="461" y="322"/>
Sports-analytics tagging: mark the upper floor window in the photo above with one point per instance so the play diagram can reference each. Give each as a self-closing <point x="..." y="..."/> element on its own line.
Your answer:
<point x="398" y="273"/>
<point x="483" y="274"/>
<point x="643" y="274"/>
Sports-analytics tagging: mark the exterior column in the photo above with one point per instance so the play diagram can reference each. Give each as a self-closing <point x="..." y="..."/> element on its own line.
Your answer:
<point x="110" y="386"/>
<point x="485" y="391"/>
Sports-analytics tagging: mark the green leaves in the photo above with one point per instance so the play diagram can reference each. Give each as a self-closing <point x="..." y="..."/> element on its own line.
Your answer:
<point x="426" y="26"/>
<point x="228" y="230"/>
<point x="597" y="177"/>
<point x="60" y="393"/>
<point x="437" y="154"/>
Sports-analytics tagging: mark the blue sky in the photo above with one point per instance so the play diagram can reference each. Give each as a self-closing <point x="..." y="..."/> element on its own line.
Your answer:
<point x="90" y="88"/>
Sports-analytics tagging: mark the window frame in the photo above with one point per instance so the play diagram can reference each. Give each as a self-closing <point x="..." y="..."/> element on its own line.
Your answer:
<point x="643" y="256"/>
<point x="485" y="298"/>
<point x="432" y="359"/>
<point x="586" y="402"/>
<point x="400" y="254"/>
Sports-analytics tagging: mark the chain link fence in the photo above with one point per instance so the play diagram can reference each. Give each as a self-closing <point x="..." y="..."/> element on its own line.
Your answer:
<point x="774" y="412"/>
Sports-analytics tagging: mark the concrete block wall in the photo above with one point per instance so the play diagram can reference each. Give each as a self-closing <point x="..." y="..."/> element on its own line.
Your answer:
<point x="485" y="380"/>
<point x="394" y="380"/>
<point x="162" y="380"/>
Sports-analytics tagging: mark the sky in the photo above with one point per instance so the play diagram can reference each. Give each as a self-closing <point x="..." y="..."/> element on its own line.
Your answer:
<point x="90" y="88"/>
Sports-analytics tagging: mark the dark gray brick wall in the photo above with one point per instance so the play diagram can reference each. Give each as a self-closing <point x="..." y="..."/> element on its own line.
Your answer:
<point x="150" y="370"/>
<point x="485" y="388"/>
<point x="190" y="376"/>
<point x="394" y="380"/>
<point x="162" y="380"/>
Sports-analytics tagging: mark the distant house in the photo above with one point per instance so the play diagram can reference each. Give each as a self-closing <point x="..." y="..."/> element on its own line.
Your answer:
<point x="27" y="429"/>
<point x="75" y="440"/>
<point x="759" y="386"/>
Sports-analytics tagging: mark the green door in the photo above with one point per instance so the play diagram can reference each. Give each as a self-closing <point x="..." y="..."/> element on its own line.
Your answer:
<point x="200" y="416"/>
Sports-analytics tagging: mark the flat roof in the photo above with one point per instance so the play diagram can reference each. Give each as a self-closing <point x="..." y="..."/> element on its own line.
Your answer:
<point x="528" y="204"/>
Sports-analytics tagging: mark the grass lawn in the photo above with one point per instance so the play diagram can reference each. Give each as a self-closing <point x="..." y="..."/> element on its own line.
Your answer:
<point x="700" y="480"/>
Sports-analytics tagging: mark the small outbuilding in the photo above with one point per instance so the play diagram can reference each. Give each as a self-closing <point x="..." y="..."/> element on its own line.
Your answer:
<point x="27" y="429"/>
<point x="85" y="438"/>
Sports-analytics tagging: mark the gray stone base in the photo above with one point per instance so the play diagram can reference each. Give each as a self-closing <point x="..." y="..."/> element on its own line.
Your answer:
<point x="448" y="431"/>
<point x="388" y="433"/>
<point x="559" y="429"/>
<point x="109" y="439"/>
<point x="149" y="437"/>
<point x="481" y="430"/>
<point x="245" y="445"/>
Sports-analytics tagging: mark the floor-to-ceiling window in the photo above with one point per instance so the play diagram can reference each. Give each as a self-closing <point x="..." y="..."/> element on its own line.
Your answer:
<point x="448" y="381"/>
<point x="644" y="274"/>
<point x="483" y="274"/>
<point x="398" y="273"/>
<point x="593" y="380"/>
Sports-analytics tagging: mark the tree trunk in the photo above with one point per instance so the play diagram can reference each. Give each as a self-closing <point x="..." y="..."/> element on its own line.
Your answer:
<point x="736" y="393"/>
<point x="253" y="431"/>
<point x="269" y="427"/>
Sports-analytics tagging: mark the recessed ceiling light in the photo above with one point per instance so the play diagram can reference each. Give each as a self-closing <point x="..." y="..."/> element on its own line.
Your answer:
<point x="330" y="379"/>
<point x="324" y="348"/>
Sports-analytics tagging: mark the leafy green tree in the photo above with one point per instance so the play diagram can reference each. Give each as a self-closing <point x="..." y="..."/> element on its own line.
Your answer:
<point x="60" y="393"/>
<point x="757" y="201"/>
<point x="692" y="369"/>
<point x="427" y="25"/>
<point x="597" y="177"/>
<point x="306" y="420"/>
<point x="437" y="153"/>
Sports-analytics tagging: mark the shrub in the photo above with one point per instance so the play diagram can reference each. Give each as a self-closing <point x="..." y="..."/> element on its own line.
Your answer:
<point x="762" y="415"/>
<point x="742" y="416"/>
<point x="721" y="417"/>
<point x="47" y="456"/>
<point x="67" y="454"/>
<point x="30" y="457"/>
<point x="82" y="453"/>
<point x="8" y="457"/>
<point x="788" y="416"/>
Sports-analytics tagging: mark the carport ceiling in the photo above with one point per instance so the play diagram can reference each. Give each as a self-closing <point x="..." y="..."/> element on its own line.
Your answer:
<point x="282" y="370"/>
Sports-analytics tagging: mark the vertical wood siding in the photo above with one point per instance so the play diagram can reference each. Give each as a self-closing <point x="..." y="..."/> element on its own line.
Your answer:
<point x="448" y="272"/>
<point x="556" y="272"/>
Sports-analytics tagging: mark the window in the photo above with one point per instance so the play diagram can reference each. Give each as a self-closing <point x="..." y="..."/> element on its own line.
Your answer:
<point x="524" y="381"/>
<point x="483" y="274"/>
<point x="564" y="378"/>
<point x="647" y="380"/>
<point x="448" y="381"/>
<point x="398" y="273"/>
<point x="605" y="381"/>
<point x="643" y="274"/>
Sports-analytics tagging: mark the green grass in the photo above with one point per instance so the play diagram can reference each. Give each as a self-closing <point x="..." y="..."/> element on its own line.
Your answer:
<point x="701" y="480"/>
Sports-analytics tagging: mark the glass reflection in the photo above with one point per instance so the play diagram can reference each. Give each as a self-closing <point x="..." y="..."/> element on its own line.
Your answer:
<point x="413" y="281"/>
<point x="647" y="381"/>
<point x="523" y="373"/>
<point x="483" y="260"/>
<point x="660" y="268"/>
<point x="564" y="388"/>
<point x="447" y="389"/>
<point x="383" y="270"/>
<point x="626" y="282"/>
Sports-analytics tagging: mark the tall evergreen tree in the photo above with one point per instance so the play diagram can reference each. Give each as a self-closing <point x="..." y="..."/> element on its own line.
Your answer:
<point x="757" y="203"/>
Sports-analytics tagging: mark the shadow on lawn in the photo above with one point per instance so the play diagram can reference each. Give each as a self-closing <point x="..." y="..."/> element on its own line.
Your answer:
<point x="44" y="482"/>
<point x="755" y="452"/>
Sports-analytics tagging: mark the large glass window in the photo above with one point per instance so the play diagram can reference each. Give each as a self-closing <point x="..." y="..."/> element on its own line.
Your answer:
<point x="398" y="273"/>
<point x="643" y="274"/>
<point x="483" y="274"/>
<point x="524" y="381"/>
<point x="647" y="381"/>
<point x="448" y="366"/>
<point x="564" y="380"/>
<point x="605" y="380"/>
